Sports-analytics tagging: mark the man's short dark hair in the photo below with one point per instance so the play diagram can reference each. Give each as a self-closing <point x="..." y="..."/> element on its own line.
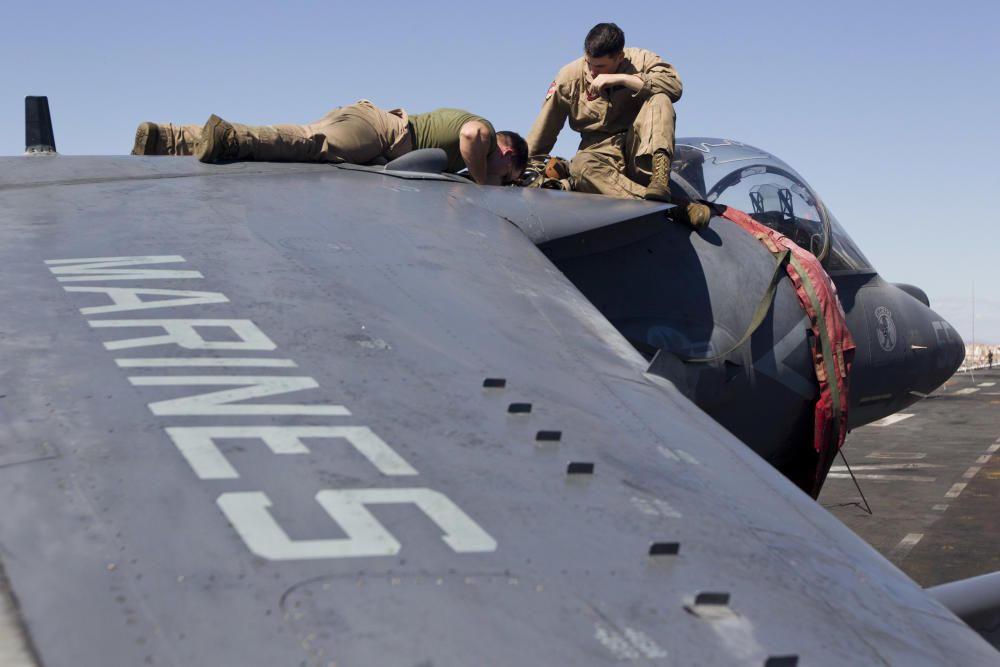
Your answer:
<point x="604" y="39"/>
<point x="520" y="147"/>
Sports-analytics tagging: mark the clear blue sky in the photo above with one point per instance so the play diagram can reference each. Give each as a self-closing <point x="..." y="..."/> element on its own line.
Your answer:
<point x="889" y="109"/>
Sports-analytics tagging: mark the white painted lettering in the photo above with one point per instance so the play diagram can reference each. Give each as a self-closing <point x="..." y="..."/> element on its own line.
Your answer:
<point x="220" y="402"/>
<point x="127" y="298"/>
<point x="204" y="362"/>
<point x="103" y="268"/>
<point x="247" y="512"/>
<point x="184" y="333"/>
<point x="197" y="444"/>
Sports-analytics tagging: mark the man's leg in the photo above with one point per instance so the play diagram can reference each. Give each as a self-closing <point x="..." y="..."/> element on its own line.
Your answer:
<point x="222" y="140"/>
<point x="649" y="151"/>
<point x="358" y="133"/>
<point x="650" y="146"/>
<point x="599" y="168"/>
<point x="362" y="133"/>
<point x="166" y="139"/>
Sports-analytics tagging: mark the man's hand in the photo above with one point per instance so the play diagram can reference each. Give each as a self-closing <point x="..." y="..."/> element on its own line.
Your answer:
<point x="692" y="213"/>
<point x="599" y="83"/>
<point x="602" y="82"/>
<point x="474" y="144"/>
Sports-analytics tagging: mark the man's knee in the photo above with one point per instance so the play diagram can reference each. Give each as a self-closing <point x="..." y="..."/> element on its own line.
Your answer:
<point x="656" y="112"/>
<point x="599" y="174"/>
<point x="591" y="172"/>
<point x="585" y="163"/>
<point x="652" y="131"/>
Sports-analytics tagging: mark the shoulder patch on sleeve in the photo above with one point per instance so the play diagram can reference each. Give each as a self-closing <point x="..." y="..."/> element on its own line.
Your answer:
<point x="551" y="91"/>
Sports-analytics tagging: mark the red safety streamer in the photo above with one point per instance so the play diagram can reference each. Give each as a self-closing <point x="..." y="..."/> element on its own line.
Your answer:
<point x="832" y="346"/>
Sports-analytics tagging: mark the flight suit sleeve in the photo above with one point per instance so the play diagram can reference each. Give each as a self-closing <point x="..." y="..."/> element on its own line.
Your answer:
<point x="657" y="76"/>
<point x="550" y="120"/>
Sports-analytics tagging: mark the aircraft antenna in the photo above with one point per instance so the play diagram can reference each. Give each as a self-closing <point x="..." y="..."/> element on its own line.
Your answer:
<point x="854" y="479"/>
<point x="38" y="136"/>
<point x="972" y="352"/>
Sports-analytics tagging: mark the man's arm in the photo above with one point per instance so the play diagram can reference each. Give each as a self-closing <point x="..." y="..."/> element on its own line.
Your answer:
<point x="602" y="81"/>
<point x="657" y="76"/>
<point x="474" y="143"/>
<point x="653" y="76"/>
<point x="542" y="137"/>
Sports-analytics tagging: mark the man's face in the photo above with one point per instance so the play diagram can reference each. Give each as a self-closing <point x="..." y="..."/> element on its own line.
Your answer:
<point x="604" y="64"/>
<point x="500" y="165"/>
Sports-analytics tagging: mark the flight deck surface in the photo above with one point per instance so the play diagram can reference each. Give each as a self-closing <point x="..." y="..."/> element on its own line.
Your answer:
<point x="930" y="475"/>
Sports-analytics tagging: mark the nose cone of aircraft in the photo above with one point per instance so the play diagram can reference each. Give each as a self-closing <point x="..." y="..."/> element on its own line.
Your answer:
<point x="944" y="354"/>
<point x="905" y="351"/>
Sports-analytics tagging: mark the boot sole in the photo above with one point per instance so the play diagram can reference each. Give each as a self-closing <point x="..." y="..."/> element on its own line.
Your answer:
<point x="657" y="195"/>
<point x="147" y="135"/>
<point x="211" y="140"/>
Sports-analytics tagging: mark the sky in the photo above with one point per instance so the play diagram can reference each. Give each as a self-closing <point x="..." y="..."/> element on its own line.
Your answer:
<point x="890" y="110"/>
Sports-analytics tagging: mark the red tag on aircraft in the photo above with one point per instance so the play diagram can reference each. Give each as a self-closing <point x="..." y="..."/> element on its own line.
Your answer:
<point x="552" y="89"/>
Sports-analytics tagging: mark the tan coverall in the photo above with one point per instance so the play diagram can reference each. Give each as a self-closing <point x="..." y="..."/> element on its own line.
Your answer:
<point x="359" y="133"/>
<point x="619" y="130"/>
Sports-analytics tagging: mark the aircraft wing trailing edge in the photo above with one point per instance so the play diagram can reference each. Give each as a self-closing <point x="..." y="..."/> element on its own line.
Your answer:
<point x="297" y="414"/>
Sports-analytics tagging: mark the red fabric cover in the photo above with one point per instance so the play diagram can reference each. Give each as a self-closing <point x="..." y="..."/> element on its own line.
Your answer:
<point x="828" y="436"/>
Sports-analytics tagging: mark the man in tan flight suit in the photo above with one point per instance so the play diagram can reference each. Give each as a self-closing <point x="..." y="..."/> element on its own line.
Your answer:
<point x="620" y="100"/>
<point x="359" y="133"/>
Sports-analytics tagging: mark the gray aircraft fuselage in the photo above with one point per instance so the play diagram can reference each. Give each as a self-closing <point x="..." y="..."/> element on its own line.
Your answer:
<point x="693" y="295"/>
<point x="266" y="414"/>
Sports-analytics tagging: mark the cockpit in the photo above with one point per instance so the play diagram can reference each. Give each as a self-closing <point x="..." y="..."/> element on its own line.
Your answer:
<point x="749" y="179"/>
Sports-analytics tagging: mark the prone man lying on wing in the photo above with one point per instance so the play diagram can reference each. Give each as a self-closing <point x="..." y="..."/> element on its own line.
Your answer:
<point x="358" y="133"/>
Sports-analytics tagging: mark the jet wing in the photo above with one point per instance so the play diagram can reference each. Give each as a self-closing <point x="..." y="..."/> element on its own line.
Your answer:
<point x="294" y="414"/>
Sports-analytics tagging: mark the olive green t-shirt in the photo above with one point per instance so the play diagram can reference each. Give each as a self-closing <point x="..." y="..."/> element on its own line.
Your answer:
<point x="440" y="129"/>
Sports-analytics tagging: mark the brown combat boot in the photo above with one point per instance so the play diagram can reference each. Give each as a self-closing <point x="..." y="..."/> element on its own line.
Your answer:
<point x="147" y="136"/>
<point x="218" y="141"/>
<point x="659" y="182"/>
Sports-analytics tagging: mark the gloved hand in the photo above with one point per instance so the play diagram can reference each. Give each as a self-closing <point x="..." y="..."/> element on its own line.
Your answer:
<point x="692" y="213"/>
<point x="698" y="215"/>
<point x="557" y="168"/>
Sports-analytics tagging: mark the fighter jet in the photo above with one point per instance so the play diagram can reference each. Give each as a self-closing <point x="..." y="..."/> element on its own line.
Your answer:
<point x="683" y="299"/>
<point x="285" y="414"/>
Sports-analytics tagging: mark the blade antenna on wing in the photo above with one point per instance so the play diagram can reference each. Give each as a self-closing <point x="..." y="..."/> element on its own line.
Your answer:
<point x="38" y="135"/>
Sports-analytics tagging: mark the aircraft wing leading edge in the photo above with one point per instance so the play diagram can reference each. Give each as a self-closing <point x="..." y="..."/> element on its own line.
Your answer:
<point x="277" y="414"/>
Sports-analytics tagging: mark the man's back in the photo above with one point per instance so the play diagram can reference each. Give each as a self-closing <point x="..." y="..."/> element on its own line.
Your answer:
<point x="442" y="128"/>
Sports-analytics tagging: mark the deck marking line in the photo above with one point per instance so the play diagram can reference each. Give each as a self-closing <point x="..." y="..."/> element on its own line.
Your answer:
<point x="898" y="478"/>
<point x="892" y="419"/>
<point x="955" y="490"/>
<point x="992" y="449"/>
<point x="967" y="390"/>
<point x="906" y="544"/>
<point x="984" y="459"/>
<point x="887" y="466"/>
<point x="896" y="455"/>
<point x="939" y="508"/>
<point x="986" y="384"/>
<point x="971" y="472"/>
